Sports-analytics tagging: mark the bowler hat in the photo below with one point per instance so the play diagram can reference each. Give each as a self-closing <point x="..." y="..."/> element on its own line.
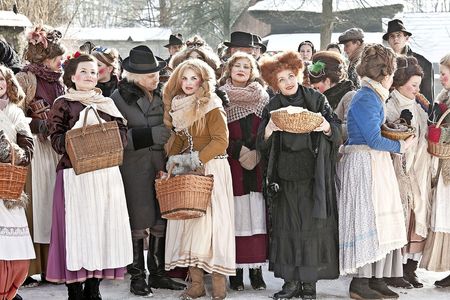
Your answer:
<point x="395" y="26"/>
<point x="142" y="61"/>
<point x="352" y="34"/>
<point x="258" y="42"/>
<point x="240" y="39"/>
<point x="174" y="40"/>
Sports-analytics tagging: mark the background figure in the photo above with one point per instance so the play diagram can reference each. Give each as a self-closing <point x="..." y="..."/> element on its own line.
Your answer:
<point x="41" y="81"/>
<point x="306" y="50"/>
<point x="260" y="48"/>
<point x="9" y="57"/>
<point x="175" y="45"/>
<point x="334" y="47"/>
<point x="108" y="69"/>
<point x="247" y="97"/>
<point x="353" y="41"/>
<point x="240" y="41"/>
<point x="138" y="97"/>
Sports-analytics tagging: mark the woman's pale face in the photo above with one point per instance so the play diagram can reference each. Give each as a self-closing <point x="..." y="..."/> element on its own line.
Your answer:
<point x="86" y="76"/>
<point x="322" y="86"/>
<point x="444" y="76"/>
<point x="190" y="82"/>
<point x="2" y="86"/>
<point x="411" y="88"/>
<point x="149" y="81"/>
<point x="287" y="82"/>
<point x="306" y="52"/>
<point x="104" y="72"/>
<point x="195" y="54"/>
<point x="54" y="64"/>
<point x="240" y="72"/>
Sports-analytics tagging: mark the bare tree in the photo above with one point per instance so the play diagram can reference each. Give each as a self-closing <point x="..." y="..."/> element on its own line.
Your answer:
<point x="50" y="12"/>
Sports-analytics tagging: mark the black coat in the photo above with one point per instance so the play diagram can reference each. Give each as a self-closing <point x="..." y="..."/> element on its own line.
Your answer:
<point x="427" y="84"/>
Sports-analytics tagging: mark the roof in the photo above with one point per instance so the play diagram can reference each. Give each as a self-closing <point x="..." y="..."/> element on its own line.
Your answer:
<point x="10" y="19"/>
<point x="135" y="34"/>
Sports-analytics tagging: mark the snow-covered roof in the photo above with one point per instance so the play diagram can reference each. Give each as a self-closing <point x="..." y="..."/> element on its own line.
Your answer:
<point x="135" y="34"/>
<point x="10" y="19"/>
<point x="316" y="5"/>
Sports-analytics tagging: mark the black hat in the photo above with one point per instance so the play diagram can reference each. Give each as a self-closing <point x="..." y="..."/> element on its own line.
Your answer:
<point x="175" y="39"/>
<point x="258" y="42"/>
<point x="142" y="61"/>
<point x="394" y="26"/>
<point x="240" y="39"/>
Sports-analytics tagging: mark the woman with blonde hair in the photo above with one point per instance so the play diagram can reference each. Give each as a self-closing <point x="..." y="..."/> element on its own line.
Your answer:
<point x="248" y="98"/>
<point x="196" y="115"/>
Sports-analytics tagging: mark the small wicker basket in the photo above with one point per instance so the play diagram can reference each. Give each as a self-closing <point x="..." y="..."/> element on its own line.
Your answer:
<point x="94" y="147"/>
<point x="12" y="179"/>
<point x="397" y="135"/>
<point x="303" y="122"/>
<point x="184" y="197"/>
<point x="438" y="149"/>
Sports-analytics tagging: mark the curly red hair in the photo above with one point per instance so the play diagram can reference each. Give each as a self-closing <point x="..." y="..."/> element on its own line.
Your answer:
<point x="271" y="66"/>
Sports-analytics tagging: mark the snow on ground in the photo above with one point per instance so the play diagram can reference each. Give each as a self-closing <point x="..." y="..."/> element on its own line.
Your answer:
<point x="326" y="289"/>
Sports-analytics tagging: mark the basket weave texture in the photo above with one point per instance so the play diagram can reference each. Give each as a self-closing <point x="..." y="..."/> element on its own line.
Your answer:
<point x="397" y="135"/>
<point x="94" y="147"/>
<point x="12" y="179"/>
<point x="304" y="122"/>
<point x="184" y="197"/>
<point x="438" y="149"/>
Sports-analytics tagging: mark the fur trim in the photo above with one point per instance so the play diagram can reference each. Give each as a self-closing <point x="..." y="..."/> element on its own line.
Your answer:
<point x="131" y="93"/>
<point x="21" y="202"/>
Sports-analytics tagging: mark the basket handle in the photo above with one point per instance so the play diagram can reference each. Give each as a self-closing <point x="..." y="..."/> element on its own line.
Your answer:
<point x="13" y="153"/>
<point x="441" y="119"/>
<point x="98" y="118"/>
<point x="169" y="172"/>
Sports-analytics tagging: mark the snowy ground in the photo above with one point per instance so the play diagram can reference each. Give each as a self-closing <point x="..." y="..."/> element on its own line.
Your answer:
<point x="327" y="289"/>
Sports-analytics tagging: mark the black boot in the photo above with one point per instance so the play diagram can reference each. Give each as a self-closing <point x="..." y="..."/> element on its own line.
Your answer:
<point x="237" y="282"/>
<point x="92" y="289"/>
<point x="138" y="286"/>
<point x="309" y="290"/>
<point x="398" y="282"/>
<point x="291" y="289"/>
<point x="256" y="279"/>
<point x="17" y="297"/>
<point x="409" y="273"/>
<point x="75" y="291"/>
<point x="158" y="278"/>
<point x="443" y="283"/>
<point x="359" y="289"/>
<point x="381" y="287"/>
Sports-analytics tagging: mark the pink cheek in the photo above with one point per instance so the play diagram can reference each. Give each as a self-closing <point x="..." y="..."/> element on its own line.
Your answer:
<point x="101" y="71"/>
<point x="444" y="79"/>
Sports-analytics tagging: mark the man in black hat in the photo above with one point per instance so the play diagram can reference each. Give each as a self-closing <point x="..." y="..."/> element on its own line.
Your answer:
<point x="260" y="48"/>
<point x="241" y="41"/>
<point x="175" y="44"/>
<point x="397" y="36"/>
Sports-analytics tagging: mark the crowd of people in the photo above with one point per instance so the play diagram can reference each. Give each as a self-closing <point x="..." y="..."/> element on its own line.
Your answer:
<point x="341" y="199"/>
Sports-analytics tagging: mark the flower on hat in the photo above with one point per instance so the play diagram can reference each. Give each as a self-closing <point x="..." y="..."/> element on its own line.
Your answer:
<point x="72" y="56"/>
<point x="38" y="36"/>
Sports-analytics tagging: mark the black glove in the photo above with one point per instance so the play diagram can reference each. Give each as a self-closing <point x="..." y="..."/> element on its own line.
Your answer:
<point x="39" y="126"/>
<point x="147" y="136"/>
<point x="407" y="115"/>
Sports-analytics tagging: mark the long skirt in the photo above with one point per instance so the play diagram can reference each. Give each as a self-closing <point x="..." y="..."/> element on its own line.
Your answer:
<point x="12" y="275"/>
<point x="206" y="242"/>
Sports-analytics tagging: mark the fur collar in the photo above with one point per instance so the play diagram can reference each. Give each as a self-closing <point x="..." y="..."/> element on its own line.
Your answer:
<point x="130" y="92"/>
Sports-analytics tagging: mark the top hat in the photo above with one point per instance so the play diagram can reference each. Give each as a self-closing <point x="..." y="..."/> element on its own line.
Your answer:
<point x="240" y="39"/>
<point x="394" y="26"/>
<point x="258" y="42"/>
<point x="142" y="61"/>
<point x="175" y="39"/>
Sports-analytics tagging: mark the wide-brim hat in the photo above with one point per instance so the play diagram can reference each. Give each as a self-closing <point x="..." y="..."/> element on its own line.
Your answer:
<point x="240" y="39"/>
<point x="258" y="42"/>
<point x="142" y="61"/>
<point x="395" y="26"/>
<point x="175" y="40"/>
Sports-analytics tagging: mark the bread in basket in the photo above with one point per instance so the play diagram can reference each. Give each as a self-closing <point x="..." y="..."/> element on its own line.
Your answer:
<point x="397" y="130"/>
<point x="296" y="119"/>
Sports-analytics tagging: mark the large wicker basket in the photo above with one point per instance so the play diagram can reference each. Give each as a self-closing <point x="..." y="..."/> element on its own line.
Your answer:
<point x="12" y="179"/>
<point x="303" y="122"/>
<point x="439" y="149"/>
<point x="94" y="147"/>
<point x="397" y="135"/>
<point x="184" y="197"/>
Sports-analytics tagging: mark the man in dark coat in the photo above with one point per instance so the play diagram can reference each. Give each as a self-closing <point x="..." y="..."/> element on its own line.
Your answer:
<point x="175" y="44"/>
<point x="397" y="36"/>
<point x="9" y="57"/>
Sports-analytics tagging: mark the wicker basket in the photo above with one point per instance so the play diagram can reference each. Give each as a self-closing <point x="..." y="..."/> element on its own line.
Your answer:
<point x="438" y="149"/>
<point x="303" y="122"/>
<point x="184" y="197"/>
<point x="94" y="147"/>
<point x="397" y="135"/>
<point x="12" y="179"/>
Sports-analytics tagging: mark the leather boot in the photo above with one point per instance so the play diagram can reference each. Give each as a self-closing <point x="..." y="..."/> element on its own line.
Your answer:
<point x="360" y="289"/>
<point x="138" y="286"/>
<point x="398" y="282"/>
<point x="157" y="277"/>
<point x="92" y="289"/>
<point x="197" y="287"/>
<point x="256" y="279"/>
<point x="409" y="273"/>
<point x="237" y="282"/>
<point x="219" y="286"/>
<point x="381" y="287"/>
<point x="309" y="290"/>
<point x="443" y="283"/>
<point x="291" y="289"/>
<point x="75" y="291"/>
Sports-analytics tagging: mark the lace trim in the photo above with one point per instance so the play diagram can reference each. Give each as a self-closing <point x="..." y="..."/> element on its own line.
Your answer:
<point x="14" y="231"/>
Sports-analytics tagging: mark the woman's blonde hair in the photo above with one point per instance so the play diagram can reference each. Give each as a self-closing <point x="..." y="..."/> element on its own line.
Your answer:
<point x="254" y="72"/>
<point x="445" y="61"/>
<point x="173" y="86"/>
<point x="13" y="89"/>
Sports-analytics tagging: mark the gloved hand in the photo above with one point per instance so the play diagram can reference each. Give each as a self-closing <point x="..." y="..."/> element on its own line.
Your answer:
<point x="407" y="115"/>
<point x="5" y="148"/>
<point x="250" y="159"/>
<point x="184" y="163"/>
<point x="243" y="151"/>
<point x="160" y="134"/>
